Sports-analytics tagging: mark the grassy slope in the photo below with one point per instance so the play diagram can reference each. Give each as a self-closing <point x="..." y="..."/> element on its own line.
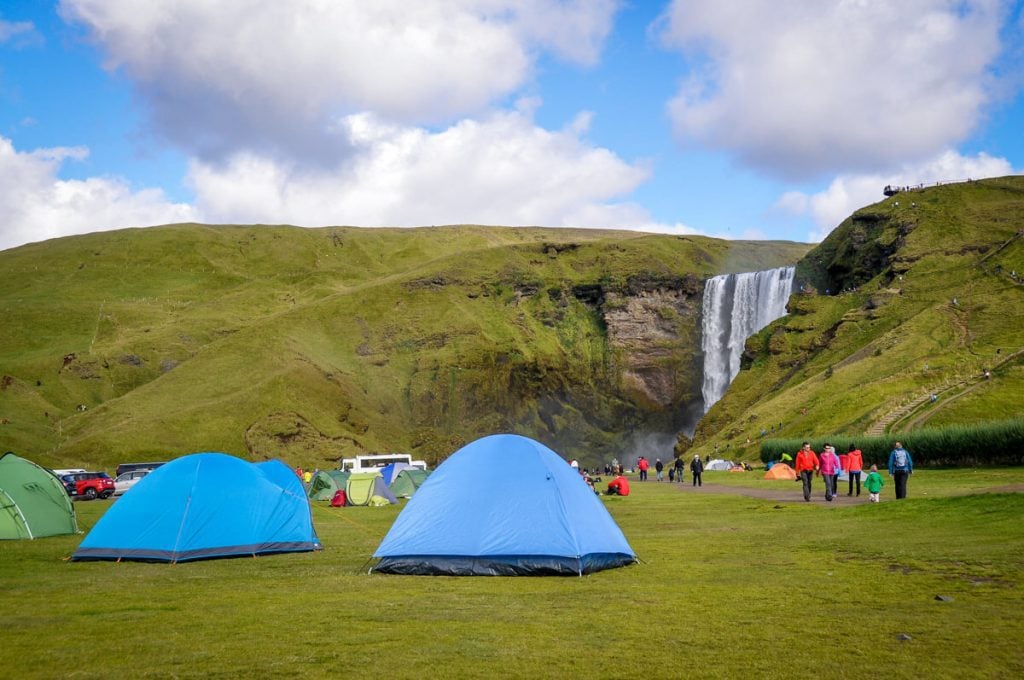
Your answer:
<point x="894" y="339"/>
<point x="309" y="344"/>
<point x="699" y="605"/>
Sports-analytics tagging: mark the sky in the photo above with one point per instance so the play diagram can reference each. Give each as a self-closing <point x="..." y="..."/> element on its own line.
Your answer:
<point x="761" y="119"/>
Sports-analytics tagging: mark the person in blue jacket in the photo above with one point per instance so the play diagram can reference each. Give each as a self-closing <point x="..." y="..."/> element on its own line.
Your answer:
<point x="900" y="468"/>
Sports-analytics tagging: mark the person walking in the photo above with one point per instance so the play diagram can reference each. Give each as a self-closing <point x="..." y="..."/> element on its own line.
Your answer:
<point x="659" y="469"/>
<point x="643" y="465"/>
<point x="900" y="468"/>
<point x="697" y="468"/>
<point x="874" y="483"/>
<point x="854" y="466"/>
<point x="679" y="469"/>
<point x="838" y="472"/>
<point x="806" y="467"/>
<point x="829" y="464"/>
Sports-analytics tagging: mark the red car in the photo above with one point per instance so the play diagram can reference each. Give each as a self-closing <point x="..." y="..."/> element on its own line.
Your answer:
<point x="89" y="484"/>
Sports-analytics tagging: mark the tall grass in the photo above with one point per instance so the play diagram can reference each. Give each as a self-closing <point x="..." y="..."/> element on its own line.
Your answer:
<point x="995" y="443"/>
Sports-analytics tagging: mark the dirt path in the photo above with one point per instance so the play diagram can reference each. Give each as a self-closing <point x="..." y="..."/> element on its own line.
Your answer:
<point x="786" y="492"/>
<point x="792" y="492"/>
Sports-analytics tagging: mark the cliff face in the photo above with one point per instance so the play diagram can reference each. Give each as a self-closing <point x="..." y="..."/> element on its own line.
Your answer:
<point x="313" y="344"/>
<point x="655" y="339"/>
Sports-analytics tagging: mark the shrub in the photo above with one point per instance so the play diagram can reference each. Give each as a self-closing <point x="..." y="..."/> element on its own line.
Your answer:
<point x="995" y="443"/>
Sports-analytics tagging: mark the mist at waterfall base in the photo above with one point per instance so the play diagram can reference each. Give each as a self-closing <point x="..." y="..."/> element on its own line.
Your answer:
<point x="735" y="306"/>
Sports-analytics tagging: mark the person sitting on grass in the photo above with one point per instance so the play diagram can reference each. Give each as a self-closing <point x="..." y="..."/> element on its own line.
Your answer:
<point x="874" y="483"/>
<point x="618" y="487"/>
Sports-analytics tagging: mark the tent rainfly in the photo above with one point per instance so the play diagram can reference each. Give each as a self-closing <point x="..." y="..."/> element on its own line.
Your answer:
<point x="326" y="483"/>
<point x="33" y="502"/>
<point x="472" y="517"/>
<point x="203" y="506"/>
<point x="719" y="465"/>
<point x="407" y="481"/>
<point x="368" y="488"/>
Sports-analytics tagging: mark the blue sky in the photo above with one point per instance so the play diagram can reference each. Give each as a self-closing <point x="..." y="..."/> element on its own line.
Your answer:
<point x="763" y="119"/>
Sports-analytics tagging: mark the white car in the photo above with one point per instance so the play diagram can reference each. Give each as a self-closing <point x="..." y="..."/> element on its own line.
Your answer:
<point x="128" y="480"/>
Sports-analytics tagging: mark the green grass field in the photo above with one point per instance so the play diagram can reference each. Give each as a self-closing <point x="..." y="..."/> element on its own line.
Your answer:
<point x="729" y="586"/>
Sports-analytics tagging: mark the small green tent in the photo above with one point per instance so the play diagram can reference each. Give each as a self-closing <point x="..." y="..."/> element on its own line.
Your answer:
<point x="326" y="483"/>
<point x="33" y="502"/>
<point x="368" y="488"/>
<point x="407" y="481"/>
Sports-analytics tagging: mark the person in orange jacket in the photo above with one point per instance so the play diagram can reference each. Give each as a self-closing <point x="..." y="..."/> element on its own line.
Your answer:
<point x="806" y="466"/>
<point x="854" y="466"/>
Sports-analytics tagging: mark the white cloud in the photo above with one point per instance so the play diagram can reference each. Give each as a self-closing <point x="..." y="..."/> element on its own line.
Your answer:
<point x="502" y="169"/>
<point x="851" y="192"/>
<point x="802" y="87"/>
<point x="224" y="76"/>
<point x="35" y="205"/>
<point x="19" y="33"/>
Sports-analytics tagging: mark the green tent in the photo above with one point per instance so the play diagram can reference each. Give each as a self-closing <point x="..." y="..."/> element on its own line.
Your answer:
<point x="33" y="502"/>
<point x="407" y="481"/>
<point x="326" y="483"/>
<point x="368" y="488"/>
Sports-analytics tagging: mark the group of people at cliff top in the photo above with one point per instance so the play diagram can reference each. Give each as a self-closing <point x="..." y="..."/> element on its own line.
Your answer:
<point x="830" y="466"/>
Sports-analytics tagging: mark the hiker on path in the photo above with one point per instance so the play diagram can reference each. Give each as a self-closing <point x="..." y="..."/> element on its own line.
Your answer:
<point x="900" y="468"/>
<point x="697" y="468"/>
<point x="806" y="467"/>
<point x="873" y="483"/>
<point x="643" y="465"/>
<point x="679" y="470"/>
<point x="854" y="465"/>
<point x="839" y="471"/>
<point x="659" y="469"/>
<point x="828" y="465"/>
<point x="671" y="474"/>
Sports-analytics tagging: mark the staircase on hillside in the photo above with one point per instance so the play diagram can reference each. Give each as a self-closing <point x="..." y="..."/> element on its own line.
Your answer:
<point x="882" y="425"/>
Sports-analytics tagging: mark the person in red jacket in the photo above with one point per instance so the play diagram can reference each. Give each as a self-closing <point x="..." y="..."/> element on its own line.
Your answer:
<point x="642" y="465"/>
<point x="618" y="486"/>
<point x="854" y="466"/>
<point x="806" y="466"/>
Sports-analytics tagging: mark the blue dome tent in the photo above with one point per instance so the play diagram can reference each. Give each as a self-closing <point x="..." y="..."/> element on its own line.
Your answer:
<point x="203" y="506"/>
<point x="504" y="505"/>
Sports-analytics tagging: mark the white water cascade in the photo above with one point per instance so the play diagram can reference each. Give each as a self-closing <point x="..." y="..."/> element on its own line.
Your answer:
<point x="735" y="307"/>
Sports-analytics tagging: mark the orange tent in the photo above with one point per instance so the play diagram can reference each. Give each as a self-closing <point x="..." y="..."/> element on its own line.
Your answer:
<point x="780" y="471"/>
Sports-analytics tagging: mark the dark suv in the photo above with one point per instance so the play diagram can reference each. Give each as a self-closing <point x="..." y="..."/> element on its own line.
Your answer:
<point x="89" y="484"/>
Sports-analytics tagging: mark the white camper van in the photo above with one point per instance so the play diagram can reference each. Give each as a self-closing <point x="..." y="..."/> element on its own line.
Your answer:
<point x="375" y="462"/>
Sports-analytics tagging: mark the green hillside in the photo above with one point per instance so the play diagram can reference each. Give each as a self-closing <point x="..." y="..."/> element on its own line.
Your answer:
<point x="312" y="344"/>
<point x="914" y="296"/>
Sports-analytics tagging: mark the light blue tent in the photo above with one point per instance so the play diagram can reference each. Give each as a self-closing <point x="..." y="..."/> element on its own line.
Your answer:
<point x="390" y="471"/>
<point x="203" y="506"/>
<point x="503" y="505"/>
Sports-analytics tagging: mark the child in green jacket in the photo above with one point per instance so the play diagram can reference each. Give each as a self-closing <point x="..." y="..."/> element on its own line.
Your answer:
<point x="874" y="484"/>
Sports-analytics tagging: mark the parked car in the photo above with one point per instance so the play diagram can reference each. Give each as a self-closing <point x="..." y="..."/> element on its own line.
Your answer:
<point x="128" y="467"/>
<point x="88" y="484"/>
<point x="128" y="480"/>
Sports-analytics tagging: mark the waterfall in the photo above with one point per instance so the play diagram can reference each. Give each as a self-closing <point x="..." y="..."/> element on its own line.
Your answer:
<point x="735" y="307"/>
